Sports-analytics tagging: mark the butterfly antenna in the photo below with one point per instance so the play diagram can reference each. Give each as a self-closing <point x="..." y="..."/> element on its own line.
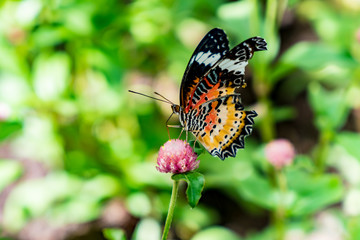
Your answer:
<point x="164" y="97"/>
<point x="162" y="100"/>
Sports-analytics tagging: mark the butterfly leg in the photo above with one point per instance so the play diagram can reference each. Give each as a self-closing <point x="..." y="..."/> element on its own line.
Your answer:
<point x="182" y="130"/>
<point x="167" y="125"/>
<point x="196" y="138"/>
<point x="172" y="126"/>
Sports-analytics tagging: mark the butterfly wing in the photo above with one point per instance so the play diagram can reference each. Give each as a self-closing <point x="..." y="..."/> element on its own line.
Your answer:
<point x="209" y="51"/>
<point x="227" y="76"/>
<point x="221" y="125"/>
<point x="213" y="108"/>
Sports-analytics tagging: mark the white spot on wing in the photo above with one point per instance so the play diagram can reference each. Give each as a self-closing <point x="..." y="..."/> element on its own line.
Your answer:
<point x="232" y="65"/>
<point x="207" y="58"/>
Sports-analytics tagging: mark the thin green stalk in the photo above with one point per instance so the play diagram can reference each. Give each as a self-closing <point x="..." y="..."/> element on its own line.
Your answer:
<point x="280" y="215"/>
<point x="171" y="209"/>
<point x="271" y="16"/>
<point x="255" y="19"/>
<point x="262" y="83"/>
<point x="352" y="226"/>
<point x="322" y="151"/>
<point x="281" y="9"/>
<point x="271" y="29"/>
<point x="267" y="126"/>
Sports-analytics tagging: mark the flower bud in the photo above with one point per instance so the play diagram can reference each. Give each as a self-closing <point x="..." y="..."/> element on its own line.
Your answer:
<point x="280" y="152"/>
<point x="176" y="156"/>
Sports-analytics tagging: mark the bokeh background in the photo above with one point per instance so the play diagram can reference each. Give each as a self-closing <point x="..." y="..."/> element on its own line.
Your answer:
<point x="78" y="151"/>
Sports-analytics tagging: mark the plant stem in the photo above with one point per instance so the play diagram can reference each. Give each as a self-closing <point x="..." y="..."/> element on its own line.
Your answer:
<point x="280" y="214"/>
<point x="352" y="226"/>
<point x="322" y="150"/>
<point x="262" y="83"/>
<point x="171" y="209"/>
<point x="267" y="126"/>
<point x="255" y="18"/>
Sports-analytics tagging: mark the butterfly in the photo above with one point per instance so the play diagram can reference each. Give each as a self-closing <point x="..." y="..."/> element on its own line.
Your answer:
<point x="210" y="104"/>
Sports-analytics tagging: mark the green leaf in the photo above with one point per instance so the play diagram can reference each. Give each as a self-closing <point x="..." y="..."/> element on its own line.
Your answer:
<point x="330" y="109"/>
<point x="236" y="16"/>
<point x="258" y="190"/>
<point x="114" y="234"/>
<point x="8" y="128"/>
<point x="215" y="233"/>
<point x="197" y="218"/>
<point x="45" y="66"/>
<point x="138" y="204"/>
<point x="351" y="142"/>
<point x="196" y="183"/>
<point x="313" y="192"/>
<point x="147" y="228"/>
<point x="198" y="149"/>
<point x="310" y="56"/>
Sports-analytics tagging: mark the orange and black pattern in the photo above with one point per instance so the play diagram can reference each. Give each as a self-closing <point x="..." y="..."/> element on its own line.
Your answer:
<point x="221" y="125"/>
<point x="210" y="103"/>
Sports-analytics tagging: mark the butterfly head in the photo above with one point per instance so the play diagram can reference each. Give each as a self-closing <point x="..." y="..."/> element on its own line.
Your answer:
<point x="176" y="109"/>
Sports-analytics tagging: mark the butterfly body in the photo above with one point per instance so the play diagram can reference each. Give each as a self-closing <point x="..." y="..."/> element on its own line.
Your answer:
<point x="210" y="104"/>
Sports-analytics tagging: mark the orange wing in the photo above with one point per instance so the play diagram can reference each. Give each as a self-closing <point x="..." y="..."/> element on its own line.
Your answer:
<point x="221" y="125"/>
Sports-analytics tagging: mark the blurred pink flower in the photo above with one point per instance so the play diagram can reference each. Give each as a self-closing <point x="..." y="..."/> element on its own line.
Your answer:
<point x="280" y="152"/>
<point x="176" y="156"/>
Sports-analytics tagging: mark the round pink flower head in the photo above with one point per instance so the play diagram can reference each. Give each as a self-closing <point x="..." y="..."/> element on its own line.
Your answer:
<point x="280" y="152"/>
<point x="176" y="156"/>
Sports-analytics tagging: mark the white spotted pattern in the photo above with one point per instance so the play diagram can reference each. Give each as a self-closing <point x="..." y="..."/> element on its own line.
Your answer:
<point x="207" y="58"/>
<point x="232" y="65"/>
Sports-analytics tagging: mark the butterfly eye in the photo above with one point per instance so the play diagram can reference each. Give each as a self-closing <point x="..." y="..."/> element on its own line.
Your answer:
<point x="175" y="108"/>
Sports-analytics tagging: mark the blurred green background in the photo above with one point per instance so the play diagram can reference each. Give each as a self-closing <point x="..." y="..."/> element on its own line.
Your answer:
<point x="78" y="152"/>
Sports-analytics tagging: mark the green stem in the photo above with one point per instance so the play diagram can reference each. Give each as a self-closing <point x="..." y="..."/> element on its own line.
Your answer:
<point x="171" y="209"/>
<point x="322" y="150"/>
<point x="271" y="16"/>
<point x="262" y="84"/>
<point x="280" y="216"/>
<point x="281" y="9"/>
<point x="255" y="19"/>
<point x="352" y="226"/>
<point x="267" y="125"/>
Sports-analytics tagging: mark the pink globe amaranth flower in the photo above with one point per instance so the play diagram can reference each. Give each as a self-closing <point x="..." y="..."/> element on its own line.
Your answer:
<point x="280" y="152"/>
<point x="176" y="156"/>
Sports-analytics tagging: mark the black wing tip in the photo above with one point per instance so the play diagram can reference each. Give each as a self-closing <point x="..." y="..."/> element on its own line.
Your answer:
<point x="216" y="31"/>
<point x="260" y="43"/>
